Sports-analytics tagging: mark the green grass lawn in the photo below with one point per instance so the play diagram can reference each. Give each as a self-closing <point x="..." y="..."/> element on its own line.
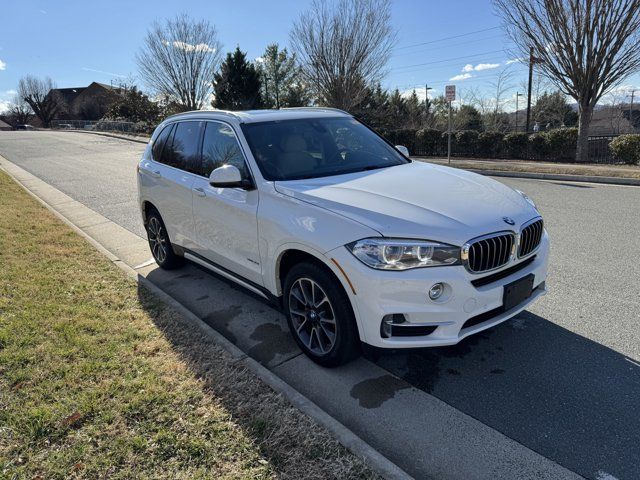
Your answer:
<point x="99" y="379"/>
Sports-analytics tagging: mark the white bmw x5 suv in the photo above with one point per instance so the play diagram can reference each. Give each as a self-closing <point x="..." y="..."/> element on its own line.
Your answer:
<point x="313" y="210"/>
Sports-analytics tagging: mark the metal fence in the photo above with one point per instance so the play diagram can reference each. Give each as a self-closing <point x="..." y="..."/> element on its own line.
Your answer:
<point x="599" y="151"/>
<point x="97" y="125"/>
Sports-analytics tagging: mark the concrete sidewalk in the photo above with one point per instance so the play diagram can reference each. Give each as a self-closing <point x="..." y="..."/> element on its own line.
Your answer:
<point x="372" y="412"/>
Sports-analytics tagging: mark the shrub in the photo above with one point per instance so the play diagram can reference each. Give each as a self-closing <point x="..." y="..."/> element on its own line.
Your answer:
<point x="626" y="148"/>
<point x="428" y="141"/>
<point x="516" y="144"/>
<point x="402" y="136"/>
<point x="467" y="142"/>
<point x="562" y="143"/>
<point x="539" y="145"/>
<point x="490" y="144"/>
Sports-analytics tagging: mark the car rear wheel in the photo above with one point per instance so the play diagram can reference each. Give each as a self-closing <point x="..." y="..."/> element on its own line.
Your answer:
<point x="320" y="316"/>
<point x="159" y="243"/>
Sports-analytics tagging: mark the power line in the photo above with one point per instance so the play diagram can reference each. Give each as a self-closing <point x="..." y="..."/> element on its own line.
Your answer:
<point x="448" y="59"/>
<point x="449" y="45"/>
<point x="447" y="81"/>
<point x="447" y="38"/>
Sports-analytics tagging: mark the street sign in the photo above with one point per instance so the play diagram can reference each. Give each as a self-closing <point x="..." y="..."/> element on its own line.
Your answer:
<point x="450" y="93"/>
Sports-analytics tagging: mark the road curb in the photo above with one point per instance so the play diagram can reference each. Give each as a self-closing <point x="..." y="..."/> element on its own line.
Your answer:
<point x="559" y="176"/>
<point x="107" y="134"/>
<point x="346" y="437"/>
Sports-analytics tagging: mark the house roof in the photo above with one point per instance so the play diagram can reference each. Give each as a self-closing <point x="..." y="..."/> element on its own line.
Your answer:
<point x="4" y="124"/>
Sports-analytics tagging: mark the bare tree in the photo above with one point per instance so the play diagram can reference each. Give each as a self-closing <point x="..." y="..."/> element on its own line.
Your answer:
<point x="585" y="46"/>
<point x="20" y="112"/>
<point x="178" y="60"/>
<point x="41" y="96"/>
<point x="343" y="47"/>
<point x="501" y="86"/>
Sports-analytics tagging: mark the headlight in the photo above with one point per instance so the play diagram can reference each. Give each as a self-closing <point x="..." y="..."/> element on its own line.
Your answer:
<point x="399" y="254"/>
<point x="526" y="197"/>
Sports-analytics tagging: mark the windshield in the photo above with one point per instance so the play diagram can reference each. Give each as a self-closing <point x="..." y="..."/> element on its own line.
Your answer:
<point x="317" y="147"/>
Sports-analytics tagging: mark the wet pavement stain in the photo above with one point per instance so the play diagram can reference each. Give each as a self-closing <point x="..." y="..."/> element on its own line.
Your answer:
<point x="497" y="371"/>
<point x="372" y="393"/>
<point x="423" y="368"/>
<point x="203" y="297"/>
<point x="184" y="275"/>
<point x="272" y="341"/>
<point x="220" y="320"/>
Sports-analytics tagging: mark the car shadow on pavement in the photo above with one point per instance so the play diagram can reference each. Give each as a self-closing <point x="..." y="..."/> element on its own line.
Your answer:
<point x="560" y="394"/>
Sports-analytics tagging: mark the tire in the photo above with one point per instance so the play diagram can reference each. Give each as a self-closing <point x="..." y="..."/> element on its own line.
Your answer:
<point x="159" y="243"/>
<point x="312" y="298"/>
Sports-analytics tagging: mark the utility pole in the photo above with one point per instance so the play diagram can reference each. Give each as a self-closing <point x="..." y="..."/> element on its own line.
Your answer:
<point x="531" y="62"/>
<point x="426" y="102"/>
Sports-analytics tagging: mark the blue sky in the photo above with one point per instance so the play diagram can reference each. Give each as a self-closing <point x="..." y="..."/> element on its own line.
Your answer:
<point x="76" y="42"/>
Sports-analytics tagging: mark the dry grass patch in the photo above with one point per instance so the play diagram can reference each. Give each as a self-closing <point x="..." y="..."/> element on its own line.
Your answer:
<point x="100" y="379"/>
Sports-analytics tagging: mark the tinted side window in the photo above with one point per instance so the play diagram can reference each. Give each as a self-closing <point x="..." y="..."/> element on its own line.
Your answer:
<point x="159" y="142"/>
<point x="182" y="151"/>
<point x="220" y="147"/>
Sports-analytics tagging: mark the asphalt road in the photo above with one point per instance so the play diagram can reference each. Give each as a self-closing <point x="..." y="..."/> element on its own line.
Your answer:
<point x="563" y="378"/>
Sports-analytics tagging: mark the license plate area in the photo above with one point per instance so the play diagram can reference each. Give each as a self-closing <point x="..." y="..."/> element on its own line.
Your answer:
<point x="517" y="292"/>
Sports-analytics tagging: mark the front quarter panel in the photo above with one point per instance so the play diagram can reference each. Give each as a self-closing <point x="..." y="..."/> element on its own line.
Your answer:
<point x="287" y="223"/>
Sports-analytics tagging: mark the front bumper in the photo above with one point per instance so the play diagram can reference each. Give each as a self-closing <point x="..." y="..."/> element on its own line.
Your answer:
<point x="379" y="293"/>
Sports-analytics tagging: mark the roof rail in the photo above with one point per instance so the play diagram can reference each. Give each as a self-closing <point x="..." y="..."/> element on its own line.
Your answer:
<point x="196" y="112"/>
<point x="316" y="108"/>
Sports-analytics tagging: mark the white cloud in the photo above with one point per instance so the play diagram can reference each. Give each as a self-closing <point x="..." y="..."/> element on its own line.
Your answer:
<point x="201" y="47"/>
<point x="4" y="106"/>
<point x="462" y="76"/>
<point x="479" y="67"/>
<point x="3" y="65"/>
<point x="515" y="60"/>
<point x="10" y="92"/>
<point x="485" y="66"/>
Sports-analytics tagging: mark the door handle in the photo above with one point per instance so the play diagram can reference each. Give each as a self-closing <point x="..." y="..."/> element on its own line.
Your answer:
<point x="155" y="173"/>
<point x="200" y="192"/>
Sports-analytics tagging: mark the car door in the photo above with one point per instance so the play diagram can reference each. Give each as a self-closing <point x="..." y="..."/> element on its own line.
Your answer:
<point x="176" y="171"/>
<point x="226" y="218"/>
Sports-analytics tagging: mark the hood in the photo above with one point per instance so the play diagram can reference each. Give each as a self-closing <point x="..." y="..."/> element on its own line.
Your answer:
<point x="417" y="200"/>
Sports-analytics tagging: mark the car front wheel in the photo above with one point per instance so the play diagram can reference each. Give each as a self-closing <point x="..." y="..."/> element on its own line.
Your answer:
<point x="320" y="316"/>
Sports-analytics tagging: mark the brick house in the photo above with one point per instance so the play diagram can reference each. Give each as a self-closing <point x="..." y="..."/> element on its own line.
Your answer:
<point x="86" y="103"/>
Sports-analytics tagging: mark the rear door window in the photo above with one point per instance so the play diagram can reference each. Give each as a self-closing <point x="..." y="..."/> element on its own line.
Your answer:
<point x="160" y="141"/>
<point x="182" y="148"/>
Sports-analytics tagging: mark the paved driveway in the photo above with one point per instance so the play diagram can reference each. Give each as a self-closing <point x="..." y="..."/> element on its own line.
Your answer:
<point x="562" y="379"/>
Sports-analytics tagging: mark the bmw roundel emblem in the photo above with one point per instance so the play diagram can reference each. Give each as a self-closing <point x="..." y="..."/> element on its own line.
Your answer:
<point x="508" y="220"/>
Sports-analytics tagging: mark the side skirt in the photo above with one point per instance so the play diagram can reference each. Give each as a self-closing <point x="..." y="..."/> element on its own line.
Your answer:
<point x="229" y="275"/>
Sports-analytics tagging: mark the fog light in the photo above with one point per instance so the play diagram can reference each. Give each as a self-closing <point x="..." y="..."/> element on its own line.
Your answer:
<point x="436" y="291"/>
<point x="386" y="327"/>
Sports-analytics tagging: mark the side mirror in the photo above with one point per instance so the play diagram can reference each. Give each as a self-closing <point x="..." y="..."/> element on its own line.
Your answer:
<point x="228" y="176"/>
<point x="403" y="150"/>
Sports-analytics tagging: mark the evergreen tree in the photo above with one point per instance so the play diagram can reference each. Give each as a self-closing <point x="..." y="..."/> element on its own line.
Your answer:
<point x="553" y="108"/>
<point x="237" y="85"/>
<point x="133" y="106"/>
<point x="281" y="82"/>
